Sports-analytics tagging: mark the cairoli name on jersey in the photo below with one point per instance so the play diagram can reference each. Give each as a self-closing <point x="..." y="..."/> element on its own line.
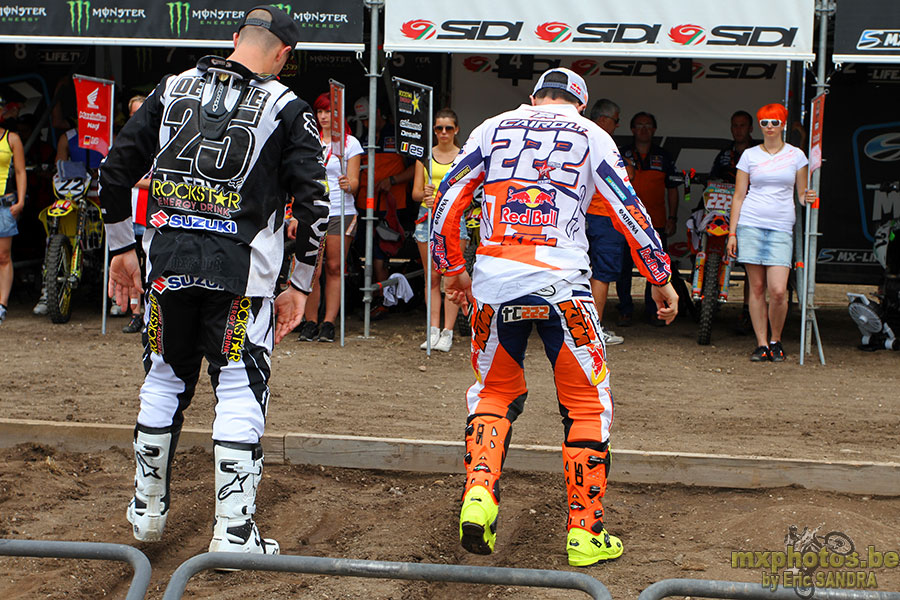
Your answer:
<point x="541" y="124"/>
<point x="195" y="198"/>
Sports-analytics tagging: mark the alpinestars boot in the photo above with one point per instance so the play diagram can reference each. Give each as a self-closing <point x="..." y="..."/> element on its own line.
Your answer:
<point x="487" y="439"/>
<point x="153" y="451"/>
<point x="238" y="472"/>
<point x="587" y="542"/>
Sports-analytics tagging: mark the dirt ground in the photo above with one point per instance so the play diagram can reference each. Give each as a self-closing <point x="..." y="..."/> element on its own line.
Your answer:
<point x="670" y="394"/>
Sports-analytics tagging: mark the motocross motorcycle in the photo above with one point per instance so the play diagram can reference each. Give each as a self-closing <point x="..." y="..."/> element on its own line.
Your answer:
<point x="75" y="237"/>
<point x="879" y="320"/>
<point x="708" y="227"/>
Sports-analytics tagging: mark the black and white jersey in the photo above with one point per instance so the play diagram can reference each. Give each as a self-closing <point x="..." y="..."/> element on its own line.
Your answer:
<point x="219" y="182"/>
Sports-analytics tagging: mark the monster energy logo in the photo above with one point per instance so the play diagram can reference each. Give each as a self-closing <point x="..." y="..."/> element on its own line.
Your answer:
<point x="285" y="7"/>
<point x="79" y="9"/>
<point x="177" y="12"/>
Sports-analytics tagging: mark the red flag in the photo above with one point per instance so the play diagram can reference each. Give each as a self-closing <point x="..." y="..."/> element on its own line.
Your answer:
<point x="94" y="100"/>
<point x="337" y="117"/>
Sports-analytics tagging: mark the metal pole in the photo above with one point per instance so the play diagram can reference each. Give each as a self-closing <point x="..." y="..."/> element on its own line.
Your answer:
<point x="810" y="326"/>
<point x="374" y="6"/>
<point x="378" y="569"/>
<point x="89" y="550"/>
<point x="427" y="266"/>
<point x="703" y="588"/>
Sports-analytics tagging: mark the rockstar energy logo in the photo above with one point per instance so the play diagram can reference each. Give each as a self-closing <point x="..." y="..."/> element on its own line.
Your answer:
<point x="179" y="17"/>
<point x="79" y="15"/>
<point x="195" y="198"/>
<point x="154" y="327"/>
<point x="236" y="328"/>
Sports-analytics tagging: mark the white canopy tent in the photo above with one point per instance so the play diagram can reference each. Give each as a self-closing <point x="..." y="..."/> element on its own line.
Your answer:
<point x="706" y="30"/>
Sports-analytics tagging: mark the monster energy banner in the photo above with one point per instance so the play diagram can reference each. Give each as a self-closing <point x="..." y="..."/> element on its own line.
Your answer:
<point x="325" y="24"/>
<point x="413" y="119"/>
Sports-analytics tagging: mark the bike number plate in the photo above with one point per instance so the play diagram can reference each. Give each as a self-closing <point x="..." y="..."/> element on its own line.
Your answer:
<point x="717" y="197"/>
<point x="60" y="208"/>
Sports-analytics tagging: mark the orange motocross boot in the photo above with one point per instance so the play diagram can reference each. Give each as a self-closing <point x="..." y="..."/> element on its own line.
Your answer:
<point x="587" y="542"/>
<point x="487" y="439"/>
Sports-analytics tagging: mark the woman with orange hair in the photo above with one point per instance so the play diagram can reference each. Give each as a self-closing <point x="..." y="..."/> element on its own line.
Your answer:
<point x="764" y="217"/>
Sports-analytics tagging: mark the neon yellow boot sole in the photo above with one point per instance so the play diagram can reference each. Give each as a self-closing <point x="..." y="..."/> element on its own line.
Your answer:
<point x="478" y="521"/>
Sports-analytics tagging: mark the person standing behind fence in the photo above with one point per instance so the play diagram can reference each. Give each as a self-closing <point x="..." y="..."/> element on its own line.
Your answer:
<point x="12" y="203"/>
<point x="446" y="126"/>
<point x="540" y="164"/>
<point x="229" y="145"/>
<point x="606" y="246"/>
<point x="339" y="186"/>
<point x="656" y="183"/>
<point x="764" y="216"/>
<point x="724" y="168"/>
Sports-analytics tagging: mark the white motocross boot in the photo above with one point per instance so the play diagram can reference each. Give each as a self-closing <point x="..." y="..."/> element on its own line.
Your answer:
<point x="148" y="509"/>
<point x="238" y="472"/>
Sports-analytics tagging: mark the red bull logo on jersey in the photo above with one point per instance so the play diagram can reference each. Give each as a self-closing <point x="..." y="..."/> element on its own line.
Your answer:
<point x="598" y="364"/>
<point x="531" y="206"/>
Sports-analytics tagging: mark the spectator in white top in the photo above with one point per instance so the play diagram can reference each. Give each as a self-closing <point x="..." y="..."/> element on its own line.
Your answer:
<point x="764" y="215"/>
<point x="340" y="186"/>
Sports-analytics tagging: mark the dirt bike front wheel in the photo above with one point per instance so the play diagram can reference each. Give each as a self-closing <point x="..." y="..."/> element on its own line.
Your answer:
<point x="839" y="543"/>
<point x="710" y="298"/>
<point x="58" y="269"/>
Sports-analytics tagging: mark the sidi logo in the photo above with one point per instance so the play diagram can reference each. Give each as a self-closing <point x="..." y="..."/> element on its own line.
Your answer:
<point x="553" y="31"/>
<point x="489" y="31"/>
<point x="419" y="29"/>
<point x="687" y="35"/>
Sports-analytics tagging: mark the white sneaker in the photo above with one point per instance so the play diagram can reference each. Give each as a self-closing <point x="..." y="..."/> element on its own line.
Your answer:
<point x="445" y="341"/>
<point x="116" y="311"/>
<point x="610" y="338"/>
<point x="41" y="307"/>
<point x="435" y="335"/>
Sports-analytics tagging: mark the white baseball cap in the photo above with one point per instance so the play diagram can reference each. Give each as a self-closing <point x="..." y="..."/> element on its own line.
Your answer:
<point x="361" y="108"/>
<point x="574" y="83"/>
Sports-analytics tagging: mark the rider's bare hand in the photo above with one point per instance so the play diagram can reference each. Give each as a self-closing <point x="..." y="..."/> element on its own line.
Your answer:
<point x="125" y="278"/>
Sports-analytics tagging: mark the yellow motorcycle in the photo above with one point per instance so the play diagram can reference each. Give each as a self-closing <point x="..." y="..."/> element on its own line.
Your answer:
<point x="75" y="237"/>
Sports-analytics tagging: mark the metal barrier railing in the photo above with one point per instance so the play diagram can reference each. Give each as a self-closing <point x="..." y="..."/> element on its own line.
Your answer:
<point x="383" y="570"/>
<point x="87" y="550"/>
<point x="705" y="588"/>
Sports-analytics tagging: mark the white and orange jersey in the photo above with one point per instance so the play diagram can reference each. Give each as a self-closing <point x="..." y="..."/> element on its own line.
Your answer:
<point x="540" y="166"/>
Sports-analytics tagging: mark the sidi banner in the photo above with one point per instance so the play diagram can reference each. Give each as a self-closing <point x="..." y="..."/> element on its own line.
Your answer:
<point x="94" y="99"/>
<point x="759" y="30"/>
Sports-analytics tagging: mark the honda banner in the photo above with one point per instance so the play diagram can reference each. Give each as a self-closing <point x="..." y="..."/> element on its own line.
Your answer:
<point x="94" y="99"/>
<point x="867" y="31"/>
<point x="763" y="29"/>
<point x="324" y="24"/>
<point x="413" y="101"/>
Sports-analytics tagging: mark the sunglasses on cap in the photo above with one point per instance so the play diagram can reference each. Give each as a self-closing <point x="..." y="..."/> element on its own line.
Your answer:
<point x="769" y="122"/>
<point x="440" y="128"/>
